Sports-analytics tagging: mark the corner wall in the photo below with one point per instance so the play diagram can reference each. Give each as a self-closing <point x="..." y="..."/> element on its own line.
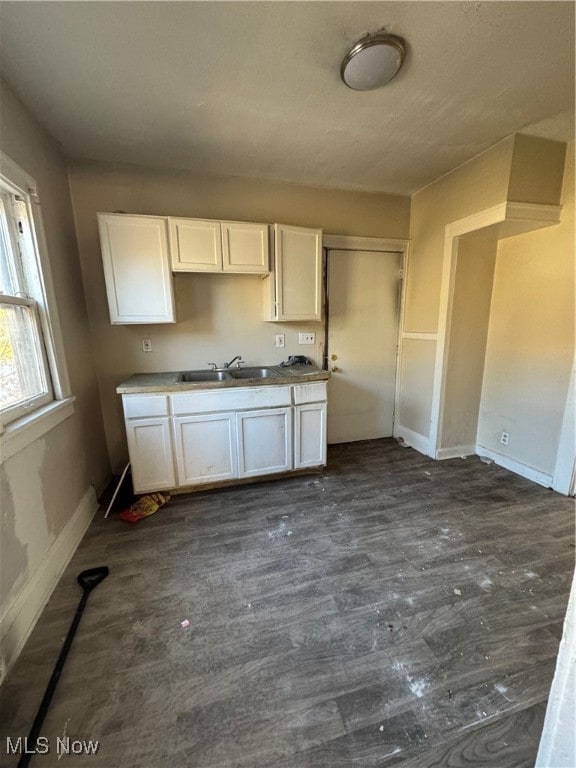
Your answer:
<point x="48" y="488"/>
<point x="531" y="314"/>
<point x="530" y="345"/>
<point x="467" y="344"/>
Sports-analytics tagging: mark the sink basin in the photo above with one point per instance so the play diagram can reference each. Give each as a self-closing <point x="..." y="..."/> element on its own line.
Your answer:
<point x="253" y="373"/>
<point x="204" y="376"/>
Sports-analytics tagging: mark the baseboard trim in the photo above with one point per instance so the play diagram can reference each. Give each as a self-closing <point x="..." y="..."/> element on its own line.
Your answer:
<point x="21" y="615"/>
<point x="456" y="452"/>
<point x="516" y="466"/>
<point x="413" y="439"/>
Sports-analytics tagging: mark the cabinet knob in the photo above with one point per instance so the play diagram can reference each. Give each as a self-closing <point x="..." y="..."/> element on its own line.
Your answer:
<point x="335" y="369"/>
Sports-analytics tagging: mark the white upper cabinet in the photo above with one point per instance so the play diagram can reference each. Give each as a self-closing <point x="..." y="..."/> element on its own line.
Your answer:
<point x="294" y="289"/>
<point x="244" y="247"/>
<point x="195" y="245"/>
<point x="199" y="245"/>
<point x="137" y="268"/>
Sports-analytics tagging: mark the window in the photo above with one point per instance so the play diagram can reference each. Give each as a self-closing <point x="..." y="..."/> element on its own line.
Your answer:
<point x="32" y="371"/>
<point x="26" y="381"/>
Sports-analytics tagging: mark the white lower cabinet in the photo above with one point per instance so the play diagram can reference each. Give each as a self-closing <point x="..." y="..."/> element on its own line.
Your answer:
<point x="264" y="441"/>
<point x="150" y="448"/>
<point x="309" y="435"/>
<point x="205" y="448"/>
<point x="209" y="436"/>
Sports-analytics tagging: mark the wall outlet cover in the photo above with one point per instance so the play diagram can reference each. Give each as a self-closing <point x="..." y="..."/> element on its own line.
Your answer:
<point x="280" y="340"/>
<point x="146" y="345"/>
<point x="306" y="338"/>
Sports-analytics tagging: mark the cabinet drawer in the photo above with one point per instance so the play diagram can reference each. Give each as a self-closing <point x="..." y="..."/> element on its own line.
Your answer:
<point x="136" y="406"/>
<point x="310" y="393"/>
<point x="230" y="400"/>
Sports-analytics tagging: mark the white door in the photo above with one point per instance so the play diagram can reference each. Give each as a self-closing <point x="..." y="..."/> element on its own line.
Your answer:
<point x="205" y="448"/>
<point x="363" y="301"/>
<point x="245" y="247"/>
<point x="264" y="441"/>
<point x="150" y="449"/>
<point x="136" y="268"/>
<point x="195" y="245"/>
<point x="298" y="272"/>
<point x="309" y="435"/>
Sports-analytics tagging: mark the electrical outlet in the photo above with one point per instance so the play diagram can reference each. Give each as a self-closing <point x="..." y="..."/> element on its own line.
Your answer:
<point x="146" y="345"/>
<point x="280" y="340"/>
<point x="306" y="338"/>
<point x="504" y="438"/>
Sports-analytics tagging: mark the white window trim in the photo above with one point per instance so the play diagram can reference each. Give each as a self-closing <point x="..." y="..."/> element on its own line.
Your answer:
<point x="21" y="432"/>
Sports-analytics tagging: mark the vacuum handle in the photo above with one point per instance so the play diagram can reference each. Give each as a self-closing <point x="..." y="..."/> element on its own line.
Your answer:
<point x="92" y="577"/>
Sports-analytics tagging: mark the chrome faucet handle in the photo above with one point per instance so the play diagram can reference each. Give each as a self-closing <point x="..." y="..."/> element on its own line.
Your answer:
<point x="239" y="363"/>
<point x="214" y="366"/>
<point x="237" y="357"/>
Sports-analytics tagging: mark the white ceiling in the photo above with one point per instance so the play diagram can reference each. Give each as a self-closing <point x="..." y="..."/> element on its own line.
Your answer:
<point x="253" y="88"/>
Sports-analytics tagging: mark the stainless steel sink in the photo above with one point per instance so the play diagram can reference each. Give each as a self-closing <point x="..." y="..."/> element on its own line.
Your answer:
<point x="193" y="376"/>
<point x="254" y="373"/>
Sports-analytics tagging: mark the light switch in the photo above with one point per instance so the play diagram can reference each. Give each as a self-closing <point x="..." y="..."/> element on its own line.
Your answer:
<point x="306" y="338"/>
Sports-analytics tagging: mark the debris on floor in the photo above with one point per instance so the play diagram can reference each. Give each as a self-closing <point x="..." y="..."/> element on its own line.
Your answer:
<point x="486" y="460"/>
<point x="457" y="591"/>
<point x="185" y="623"/>
<point x="144" y="507"/>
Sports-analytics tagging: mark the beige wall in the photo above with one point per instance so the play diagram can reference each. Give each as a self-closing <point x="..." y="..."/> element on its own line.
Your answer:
<point x="219" y="316"/>
<point x="531" y="340"/>
<point x="537" y="170"/>
<point x="480" y="183"/>
<point x="43" y="484"/>
<point x="416" y="379"/>
<point x="519" y="168"/>
<point x="467" y="342"/>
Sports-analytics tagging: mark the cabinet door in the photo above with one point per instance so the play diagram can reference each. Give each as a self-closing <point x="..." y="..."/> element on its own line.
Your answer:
<point x="205" y="448"/>
<point x="309" y="435"/>
<point x="264" y="441"/>
<point x="195" y="245"/>
<point x="136" y="268"/>
<point x="150" y="449"/>
<point x="244" y="247"/>
<point x="298" y="273"/>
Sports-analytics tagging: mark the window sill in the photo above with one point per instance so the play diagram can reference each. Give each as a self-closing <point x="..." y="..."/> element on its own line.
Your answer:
<point x="21" y="432"/>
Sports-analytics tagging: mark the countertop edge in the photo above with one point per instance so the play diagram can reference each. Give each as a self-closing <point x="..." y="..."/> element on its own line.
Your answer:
<point x="169" y="384"/>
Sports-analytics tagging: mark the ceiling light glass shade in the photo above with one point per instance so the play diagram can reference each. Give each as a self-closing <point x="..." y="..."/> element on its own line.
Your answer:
<point x="373" y="62"/>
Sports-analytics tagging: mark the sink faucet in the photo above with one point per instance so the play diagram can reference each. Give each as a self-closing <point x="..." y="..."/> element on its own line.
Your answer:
<point x="227" y="365"/>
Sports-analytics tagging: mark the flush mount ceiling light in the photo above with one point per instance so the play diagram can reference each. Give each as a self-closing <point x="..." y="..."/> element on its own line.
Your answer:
<point x="373" y="61"/>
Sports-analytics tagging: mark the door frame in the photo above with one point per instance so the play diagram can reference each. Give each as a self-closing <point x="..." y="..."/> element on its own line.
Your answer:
<point x="381" y="245"/>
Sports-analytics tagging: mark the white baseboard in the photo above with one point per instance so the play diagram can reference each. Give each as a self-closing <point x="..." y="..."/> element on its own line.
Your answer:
<point x="456" y="452"/>
<point x="516" y="466"/>
<point x="413" y="439"/>
<point x="20" y="616"/>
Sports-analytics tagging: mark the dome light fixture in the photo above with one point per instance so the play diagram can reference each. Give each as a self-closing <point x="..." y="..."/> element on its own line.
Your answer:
<point x="373" y="61"/>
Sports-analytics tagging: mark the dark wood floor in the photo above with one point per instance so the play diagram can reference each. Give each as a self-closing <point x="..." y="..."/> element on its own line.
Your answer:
<point x="390" y="611"/>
